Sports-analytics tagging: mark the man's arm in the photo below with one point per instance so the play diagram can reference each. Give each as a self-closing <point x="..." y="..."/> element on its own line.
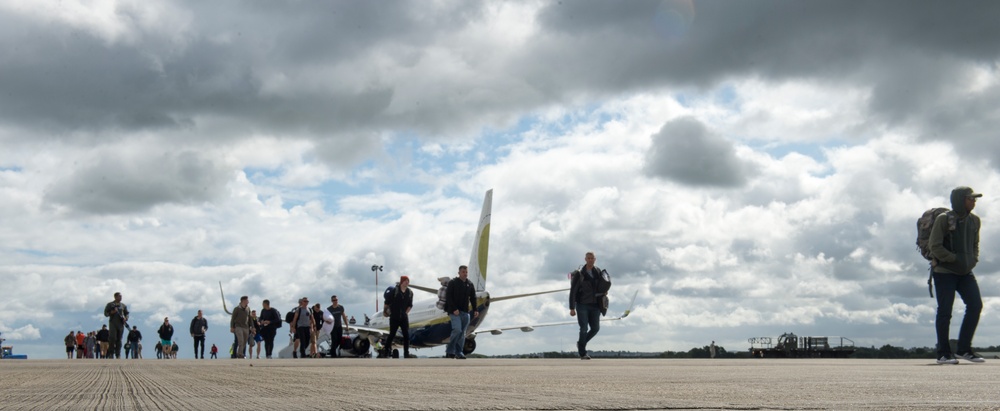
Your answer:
<point x="572" y="290"/>
<point x="936" y="241"/>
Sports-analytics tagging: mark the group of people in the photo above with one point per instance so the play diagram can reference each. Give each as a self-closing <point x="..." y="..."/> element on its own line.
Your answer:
<point x="307" y="324"/>
<point x="93" y="344"/>
<point x="587" y="301"/>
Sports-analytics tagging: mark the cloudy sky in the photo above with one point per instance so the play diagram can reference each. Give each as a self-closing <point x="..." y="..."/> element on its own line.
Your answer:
<point x="751" y="168"/>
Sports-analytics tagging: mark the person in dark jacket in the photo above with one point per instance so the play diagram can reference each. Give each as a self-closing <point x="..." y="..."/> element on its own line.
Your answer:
<point x="102" y="340"/>
<point x="199" y="325"/>
<point x="460" y="300"/>
<point x="954" y="243"/>
<point x="166" y="333"/>
<point x="270" y="320"/>
<point x="400" y="303"/>
<point x="586" y="300"/>
<point x="134" y="338"/>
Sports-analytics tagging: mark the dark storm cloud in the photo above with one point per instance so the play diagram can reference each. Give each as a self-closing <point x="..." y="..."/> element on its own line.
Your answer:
<point x="914" y="58"/>
<point x="222" y="60"/>
<point x="216" y="65"/>
<point x="118" y="185"/>
<point x="686" y="152"/>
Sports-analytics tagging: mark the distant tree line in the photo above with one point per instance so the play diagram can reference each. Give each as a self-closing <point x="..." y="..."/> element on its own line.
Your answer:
<point x="886" y="352"/>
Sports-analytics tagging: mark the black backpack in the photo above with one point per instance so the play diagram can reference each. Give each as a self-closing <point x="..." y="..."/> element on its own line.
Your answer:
<point x="289" y="317"/>
<point x="924" y="225"/>
<point x="276" y="314"/>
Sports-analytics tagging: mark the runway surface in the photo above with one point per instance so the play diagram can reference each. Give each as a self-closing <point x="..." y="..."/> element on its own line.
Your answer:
<point x="529" y="384"/>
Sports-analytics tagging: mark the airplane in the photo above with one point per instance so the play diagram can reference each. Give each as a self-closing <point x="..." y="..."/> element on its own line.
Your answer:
<point x="430" y="325"/>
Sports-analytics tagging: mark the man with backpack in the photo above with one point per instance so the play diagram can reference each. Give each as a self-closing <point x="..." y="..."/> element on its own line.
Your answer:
<point x="588" y="294"/>
<point x="303" y="323"/>
<point x="954" y="246"/>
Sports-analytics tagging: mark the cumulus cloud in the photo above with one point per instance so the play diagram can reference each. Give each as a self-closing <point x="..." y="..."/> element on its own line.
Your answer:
<point x="25" y="333"/>
<point x="116" y="185"/>
<point x="684" y="150"/>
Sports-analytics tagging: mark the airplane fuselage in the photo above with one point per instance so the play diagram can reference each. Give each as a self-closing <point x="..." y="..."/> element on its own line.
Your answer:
<point x="430" y="326"/>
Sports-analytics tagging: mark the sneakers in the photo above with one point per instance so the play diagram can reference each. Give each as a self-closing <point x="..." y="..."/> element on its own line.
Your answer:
<point x="449" y="356"/>
<point x="947" y="360"/>
<point x="970" y="356"/>
<point x="460" y="357"/>
<point x="585" y="357"/>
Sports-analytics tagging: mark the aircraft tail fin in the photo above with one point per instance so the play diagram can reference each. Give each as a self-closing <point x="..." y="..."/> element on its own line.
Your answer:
<point x="224" y="300"/>
<point x="481" y="245"/>
<point x="631" y="305"/>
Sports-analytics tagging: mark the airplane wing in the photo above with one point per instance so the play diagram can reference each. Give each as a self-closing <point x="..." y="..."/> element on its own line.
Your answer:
<point x="366" y="331"/>
<point x="530" y="328"/>
<point x="422" y="288"/>
<point x="510" y="297"/>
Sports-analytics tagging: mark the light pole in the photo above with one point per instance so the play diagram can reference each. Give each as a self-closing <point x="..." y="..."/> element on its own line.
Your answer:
<point x="375" y="269"/>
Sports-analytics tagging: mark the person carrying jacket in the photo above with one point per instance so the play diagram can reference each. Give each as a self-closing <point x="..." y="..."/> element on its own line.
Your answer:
<point x="199" y="325"/>
<point x="954" y="244"/>
<point x="460" y="300"/>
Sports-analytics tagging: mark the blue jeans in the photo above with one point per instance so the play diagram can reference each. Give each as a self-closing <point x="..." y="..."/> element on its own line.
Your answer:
<point x="945" y="286"/>
<point x="587" y="315"/>
<point x="459" y="323"/>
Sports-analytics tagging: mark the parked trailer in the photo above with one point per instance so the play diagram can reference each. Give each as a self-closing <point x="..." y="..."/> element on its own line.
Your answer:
<point x="792" y="346"/>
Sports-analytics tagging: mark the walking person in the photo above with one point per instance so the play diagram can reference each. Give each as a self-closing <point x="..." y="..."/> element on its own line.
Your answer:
<point x="318" y="322"/>
<point x="199" y="326"/>
<point x="255" y="337"/>
<point x="215" y="352"/>
<point x="134" y="338"/>
<point x="102" y="341"/>
<point x="270" y="321"/>
<point x="588" y="288"/>
<point x="70" y="341"/>
<point x="117" y="314"/>
<point x="239" y="325"/>
<point x="400" y="303"/>
<point x="166" y="333"/>
<point x="460" y="300"/>
<point x="337" y="333"/>
<point x="303" y="323"/>
<point x="91" y="343"/>
<point x="954" y="244"/>
<point x="81" y="345"/>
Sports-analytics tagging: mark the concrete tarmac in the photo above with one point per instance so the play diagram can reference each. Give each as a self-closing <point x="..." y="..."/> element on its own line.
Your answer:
<point x="498" y="384"/>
